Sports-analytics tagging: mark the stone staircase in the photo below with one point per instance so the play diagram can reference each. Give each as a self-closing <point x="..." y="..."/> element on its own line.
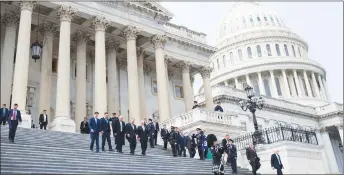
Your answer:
<point x="52" y="152"/>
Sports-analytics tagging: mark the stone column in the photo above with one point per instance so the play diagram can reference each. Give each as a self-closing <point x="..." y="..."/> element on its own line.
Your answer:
<point x="315" y="86"/>
<point x="322" y="87"/>
<point x="112" y="86"/>
<point x="331" y="159"/>
<point x="10" y="20"/>
<point x="188" y="96"/>
<point x="309" y="90"/>
<point x="261" y="84"/>
<point x="49" y="31"/>
<point x="286" y="87"/>
<point x="273" y="87"/>
<point x="248" y="81"/>
<point x="62" y="120"/>
<point x="130" y="33"/>
<point x="169" y="77"/>
<point x="205" y="73"/>
<point x="21" y="70"/>
<point x="236" y="83"/>
<point x="340" y="130"/>
<point x="81" y="39"/>
<point x="226" y="83"/>
<point x="326" y="89"/>
<point x="297" y="82"/>
<point x="99" y="24"/>
<point x="161" y="73"/>
<point x="140" y="65"/>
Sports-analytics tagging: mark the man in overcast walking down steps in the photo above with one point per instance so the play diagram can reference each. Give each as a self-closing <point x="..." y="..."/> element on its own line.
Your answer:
<point x="43" y="120"/>
<point x="94" y="125"/>
<point x="14" y="118"/>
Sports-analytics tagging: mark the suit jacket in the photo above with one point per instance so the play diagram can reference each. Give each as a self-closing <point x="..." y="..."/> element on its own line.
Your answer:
<point x="218" y="108"/>
<point x="130" y="130"/>
<point x="224" y="144"/>
<point x="156" y="126"/>
<point x="275" y="163"/>
<point x="251" y="154"/>
<point x="116" y="128"/>
<point x="143" y="135"/>
<point x="151" y="129"/>
<point x="2" y="114"/>
<point x="182" y="141"/>
<point x="164" y="133"/>
<point x="41" y="119"/>
<point x="232" y="151"/>
<point x="93" y="125"/>
<point x="18" y="116"/>
<point x="105" y="126"/>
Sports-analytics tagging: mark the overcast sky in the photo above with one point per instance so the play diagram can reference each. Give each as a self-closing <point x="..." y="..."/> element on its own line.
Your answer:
<point x="320" y="24"/>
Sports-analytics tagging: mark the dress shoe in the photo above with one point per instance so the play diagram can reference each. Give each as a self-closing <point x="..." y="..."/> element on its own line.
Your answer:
<point x="111" y="150"/>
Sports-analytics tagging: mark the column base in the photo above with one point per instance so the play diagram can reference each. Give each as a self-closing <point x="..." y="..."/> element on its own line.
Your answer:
<point x="63" y="124"/>
<point x="26" y="120"/>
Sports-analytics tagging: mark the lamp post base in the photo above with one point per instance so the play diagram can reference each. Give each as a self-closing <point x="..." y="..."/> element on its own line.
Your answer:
<point x="258" y="138"/>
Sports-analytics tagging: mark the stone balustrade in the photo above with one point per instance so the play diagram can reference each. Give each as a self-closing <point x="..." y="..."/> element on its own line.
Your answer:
<point x="185" y="32"/>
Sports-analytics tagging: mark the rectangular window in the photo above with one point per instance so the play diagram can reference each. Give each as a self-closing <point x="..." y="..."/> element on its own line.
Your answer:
<point x="179" y="91"/>
<point x="54" y="65"/>
<point x="154" y="87"/>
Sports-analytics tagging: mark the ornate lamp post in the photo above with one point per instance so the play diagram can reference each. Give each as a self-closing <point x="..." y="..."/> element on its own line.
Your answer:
<point x="252" y="104"/>
<point x="36" y="47"/>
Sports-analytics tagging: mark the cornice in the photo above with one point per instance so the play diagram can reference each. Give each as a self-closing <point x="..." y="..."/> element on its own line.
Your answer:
<point x="190" y="43"/>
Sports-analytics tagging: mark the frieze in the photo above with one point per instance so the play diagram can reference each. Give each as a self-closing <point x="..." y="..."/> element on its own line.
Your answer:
<point x="10" y="19"/>
<point x="190" y="43"/>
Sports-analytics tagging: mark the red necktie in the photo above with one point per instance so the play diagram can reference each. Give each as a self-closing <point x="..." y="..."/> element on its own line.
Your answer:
<point x="252" y="149"/>
<point x="14" y="115"/>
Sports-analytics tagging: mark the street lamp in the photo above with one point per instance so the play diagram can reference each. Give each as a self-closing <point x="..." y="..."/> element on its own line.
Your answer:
<point x="252" y="104"/>
<point x="36" y="47"/>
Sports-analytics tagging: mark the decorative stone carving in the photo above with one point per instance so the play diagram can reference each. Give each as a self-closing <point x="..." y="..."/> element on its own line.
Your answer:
<point x="185" y="66"/>
<point x="158" y="41"/>
<point x="167" y="60"/>
<point x="112" y="45"/>
<point x="49" y="30"/>
<point x="192" y="79"/>
<point x="89" y="109"/>
<point x="130" y="32"/>
<point x="66" y="13"/>
<point x="140" y="51"/>
<point x="147" y="69"/>
<point x="29" y="98"/>
<point x="27" y="5"/>
<point x="81" y="36"/>
<point x="122" y="63"/>
<point x="170" y="74"/>
<point x="205" y="72"/>
<point x="10" y="19"/>
<point x="99" y="23"/>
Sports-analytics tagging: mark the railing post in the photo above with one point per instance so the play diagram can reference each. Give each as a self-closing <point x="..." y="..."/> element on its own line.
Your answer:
<point x="267" y="136"/>
<point x="292" y="134"/>
<point x="282" y="132"/>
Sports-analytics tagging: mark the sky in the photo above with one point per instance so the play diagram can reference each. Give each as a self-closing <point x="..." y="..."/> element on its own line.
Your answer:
<point x="320" y="24"/>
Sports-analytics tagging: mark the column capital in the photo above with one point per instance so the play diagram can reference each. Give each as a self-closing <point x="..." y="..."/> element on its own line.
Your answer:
<point x="81" y="36"/>
<point x="140" y="51"/>
<point x="271" y="72"/>
<point x="130" y="32"/>
<point x="112" y="45"/>
<point x="158" y="41"/>
<point x="167" y="60"/>
<point x="185" y="66"/>
<point x="99" y="23"/>
<point x="27" y="5"/>
<point x="122" y="63"/>
<point x="10" y="19"/>
<point x="147" y="68"/>
<point x="49" y="30"/>
<point x="205" y="72"/>
<point x="169" y="74"/>
<point x="66" y="13"/>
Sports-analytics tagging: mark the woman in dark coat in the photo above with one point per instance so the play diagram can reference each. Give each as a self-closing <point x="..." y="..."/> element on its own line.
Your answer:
<point x="217" y="151"/>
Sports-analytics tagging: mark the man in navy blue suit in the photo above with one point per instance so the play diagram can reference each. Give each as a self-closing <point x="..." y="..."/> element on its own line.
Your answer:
<point x="94" y="125"/>
<point x="105" y="131"/>
<point x="3" y="114"/>
<point x="276" y="162"/>
<point x="14" y="118"/>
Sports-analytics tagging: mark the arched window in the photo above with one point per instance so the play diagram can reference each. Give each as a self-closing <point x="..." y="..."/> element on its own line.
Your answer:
<point x="292" y="47"/>
<point x="265" y="19"/>
<point x="231" y="57"/>
<point x="278" y="50"/>
<point x="224" y="60"/>
<point x="218" y="63"/>
<point x="259" y="51"/>
<point x="299" y="51"/>
<point x="267" y="87"/>
<point x="249" y="52"/>
<point x="256" y="86"/>
<point x="286" y="50"/>
<point x="268" y="49"/>
<point x="240" y="54"/>
<point x="251" y="20"/>
<point x="258" y="19"/>
<point x="278" y="86"/>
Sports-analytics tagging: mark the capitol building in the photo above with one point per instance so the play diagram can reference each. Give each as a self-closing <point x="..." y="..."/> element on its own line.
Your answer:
<point x="126" y="57"/>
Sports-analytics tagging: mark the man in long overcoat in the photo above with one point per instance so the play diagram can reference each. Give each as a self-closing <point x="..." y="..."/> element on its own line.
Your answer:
<point x="118" y="129"/>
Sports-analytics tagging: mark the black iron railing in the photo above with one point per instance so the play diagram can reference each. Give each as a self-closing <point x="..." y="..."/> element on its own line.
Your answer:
<point x="277" y="134"/>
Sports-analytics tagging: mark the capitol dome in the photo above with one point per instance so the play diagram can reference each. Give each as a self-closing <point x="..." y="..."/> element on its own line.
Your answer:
<point x="255" y="47"/>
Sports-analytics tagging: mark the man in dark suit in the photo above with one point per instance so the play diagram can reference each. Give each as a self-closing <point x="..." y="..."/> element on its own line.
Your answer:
<point x="131" y="132"/>
<point x="118" y="130"/>
<point x="191" y="145"/>
<point x="164" y="136"/>
<point x="276" y="162"/>
<point x="3" y="114"/>
<point x="84" y="129"/>
<point x="232" y="150"/>
<point x="253" y="158"/>
<point x="151" y="130"/>
<point x="142" y="133"/>
<point x="14" y="118"/>
<point x="182" y="144"/>
<point x="218" y="107"/>
<point x="105" y="131"/>
<point x="146" y="122"/>
<point x="195" y="105"/>
<point x="94" y="125"/>
<point x="43" y="120"/>
<point x="225" y="142"/>
<point x="157" y="129"/>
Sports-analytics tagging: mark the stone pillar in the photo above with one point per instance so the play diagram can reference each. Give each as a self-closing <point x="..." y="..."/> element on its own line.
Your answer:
<point x="99" y="25"/>
<point x="21" y="70"/>
<point x="205" y="73"/>
<point x="226" y="83"/>
<point x="340" y="130"/>
<point x="188" y="96"/>
<point x="112" y="73"/>
<point x="49" y="31"/>
<point x="315" y="86"/>
<point x="130" y="33"/>
<point x="297" y="82"/>
<point x="236" y="83"/>
<point x="248" y="81"/>
<point x="161" y="73"/>
<point x="273" y="82"/>
<point x="326" y="89"/>
<point x="81" y="39"/>
<point x="169" y="77"/>
<point x="10" y="20"/>
<point x="261" y="84"/>
<point x="286" y="87"/>
<point x="309" y="90"/>
<point x="62" y="120"/>
<point x="140" y="55"/>
<point x="322" y="87"/>
<point x="331" y="159"/>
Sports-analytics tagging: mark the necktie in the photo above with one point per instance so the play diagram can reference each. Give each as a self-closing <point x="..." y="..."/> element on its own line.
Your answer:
<point x="278" y="158"/>
<point x="143" y="128"/>
<point x="95" y="120"/>
<point x="14" y="114"/>
<point x="120" y="124"/>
